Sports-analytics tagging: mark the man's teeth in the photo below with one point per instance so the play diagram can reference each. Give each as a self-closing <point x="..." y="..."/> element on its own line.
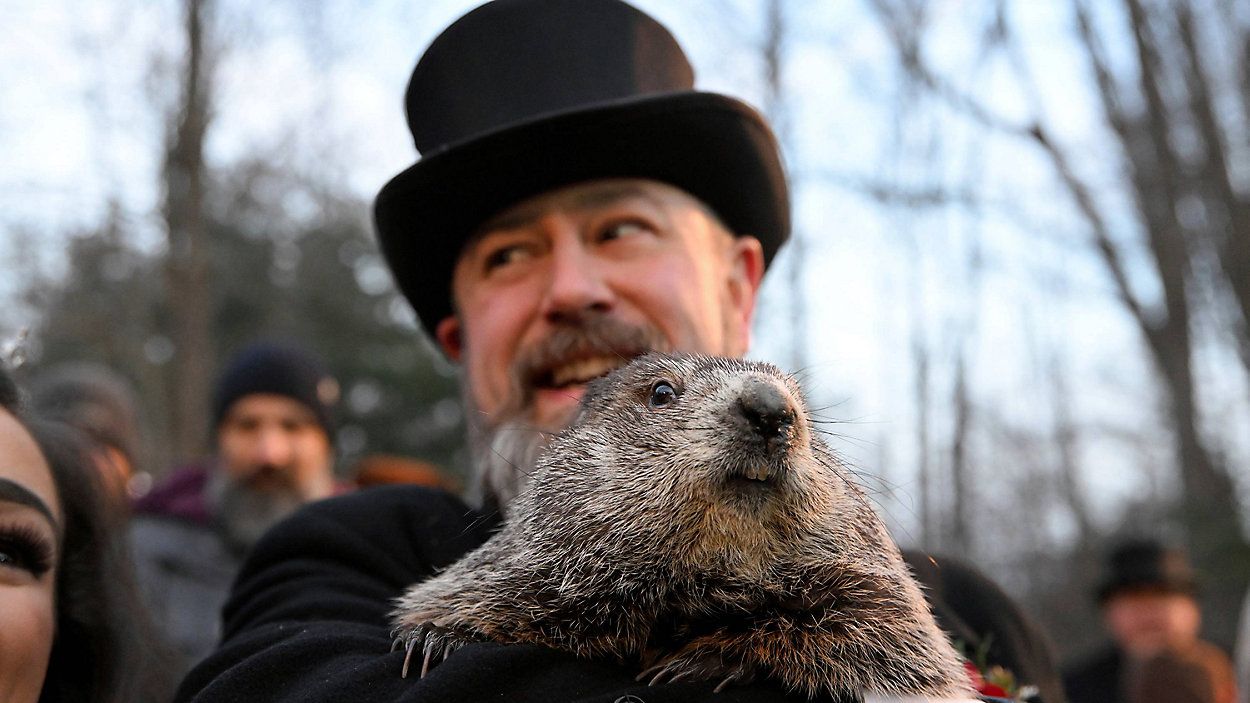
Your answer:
<point x="583" y="370"/>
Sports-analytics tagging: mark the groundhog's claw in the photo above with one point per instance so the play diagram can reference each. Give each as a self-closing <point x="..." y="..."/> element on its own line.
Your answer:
<point x="436" y="644"/>
<point x="699" y="667"/>
<point x="737" y="677"/>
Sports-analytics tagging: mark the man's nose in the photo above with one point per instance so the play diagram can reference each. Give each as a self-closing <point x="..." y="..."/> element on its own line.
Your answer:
<point x="272" y="447"/>
<point x="577" y="285"/>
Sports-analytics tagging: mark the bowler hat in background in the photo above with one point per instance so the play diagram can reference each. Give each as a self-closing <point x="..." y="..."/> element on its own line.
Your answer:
<point x="519" y="97"/>
<point x="1146" y="565"/>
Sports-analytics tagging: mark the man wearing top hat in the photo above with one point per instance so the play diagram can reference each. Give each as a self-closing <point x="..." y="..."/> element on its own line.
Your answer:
<point x="577" y="203"/>
<point x="1150" y="610"/>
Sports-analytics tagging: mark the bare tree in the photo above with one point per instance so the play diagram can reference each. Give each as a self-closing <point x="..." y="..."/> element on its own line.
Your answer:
<point x="1067" y="437"/>
<point x="960" y="515"/>
<point x="1175" y="164"/>
<point x="773" y="52"/>
<point x="920" y="358"/>
<point x="1176" y="134"/>
<point x="187" y="264"/>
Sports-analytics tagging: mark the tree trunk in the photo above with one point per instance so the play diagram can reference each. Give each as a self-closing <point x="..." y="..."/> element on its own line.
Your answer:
<point x="773" y="51"/>
<point x="1067" y="440"/>
<point x="962" y="508"/>
<point x="187" y="267"/>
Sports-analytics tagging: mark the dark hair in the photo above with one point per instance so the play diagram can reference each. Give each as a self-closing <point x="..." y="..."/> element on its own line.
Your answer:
<point x="91" y="398"/>
<point x="986" y="622"/>
<point x="1173" y="677"/>
<point x="102" y="651"/>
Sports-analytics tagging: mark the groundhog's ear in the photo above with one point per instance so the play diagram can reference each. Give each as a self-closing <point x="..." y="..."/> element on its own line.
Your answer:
<point x="450" y="337"/>
<point x="595" y="390"/>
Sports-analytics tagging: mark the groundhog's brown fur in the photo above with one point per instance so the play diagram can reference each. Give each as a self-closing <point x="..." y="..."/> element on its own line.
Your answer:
<point x="713" y="536"/>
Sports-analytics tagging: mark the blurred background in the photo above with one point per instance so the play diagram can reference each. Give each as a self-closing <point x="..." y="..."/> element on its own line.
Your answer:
<point x="1018" y="290"/>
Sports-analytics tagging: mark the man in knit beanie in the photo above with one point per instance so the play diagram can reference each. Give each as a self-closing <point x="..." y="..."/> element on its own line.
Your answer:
<point x="273" y="429"/>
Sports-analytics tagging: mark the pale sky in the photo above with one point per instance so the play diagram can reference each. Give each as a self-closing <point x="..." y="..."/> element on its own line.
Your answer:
<point x="78" y="126"/>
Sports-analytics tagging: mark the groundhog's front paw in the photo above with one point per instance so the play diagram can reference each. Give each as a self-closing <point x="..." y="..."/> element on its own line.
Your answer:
<point x="695" y="663"/>
<point x="434" y="643"/>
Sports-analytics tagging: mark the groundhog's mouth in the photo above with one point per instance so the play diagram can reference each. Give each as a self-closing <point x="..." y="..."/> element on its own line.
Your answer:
<point x="758" y="473"/>
<point x="755" y="475"/>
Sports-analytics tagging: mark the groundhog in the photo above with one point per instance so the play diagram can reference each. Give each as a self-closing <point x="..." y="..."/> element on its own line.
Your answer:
<point x="691" y="522"/>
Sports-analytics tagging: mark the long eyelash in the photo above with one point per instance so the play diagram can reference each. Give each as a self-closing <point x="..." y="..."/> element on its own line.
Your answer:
<point x="28" y="548"/>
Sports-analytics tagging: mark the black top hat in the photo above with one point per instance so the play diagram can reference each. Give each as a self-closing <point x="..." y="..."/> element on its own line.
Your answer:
<point x="1146" y="565"/>
<point x="519" y="97"/>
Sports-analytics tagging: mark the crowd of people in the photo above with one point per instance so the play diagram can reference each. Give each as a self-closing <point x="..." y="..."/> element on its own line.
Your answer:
<point x="578" y="202"/>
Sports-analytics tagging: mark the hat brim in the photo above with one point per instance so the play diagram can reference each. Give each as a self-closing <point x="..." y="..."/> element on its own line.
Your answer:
<point x="718" y="149"/>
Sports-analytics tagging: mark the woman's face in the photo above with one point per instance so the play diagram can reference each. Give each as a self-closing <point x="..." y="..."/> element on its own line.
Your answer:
<point x="30" y="520"/>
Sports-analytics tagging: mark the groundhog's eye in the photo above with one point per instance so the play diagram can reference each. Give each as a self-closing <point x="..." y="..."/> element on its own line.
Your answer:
<point x="662" y="393"/>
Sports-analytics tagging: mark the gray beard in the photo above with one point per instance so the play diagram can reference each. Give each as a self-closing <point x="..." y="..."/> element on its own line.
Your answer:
<point x="243" y="513"/>
<point x="504" y="449"/>
<point x="504" y="457"/>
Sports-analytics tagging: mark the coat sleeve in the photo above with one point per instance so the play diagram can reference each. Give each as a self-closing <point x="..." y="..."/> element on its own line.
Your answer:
<point x="307" y="618"/>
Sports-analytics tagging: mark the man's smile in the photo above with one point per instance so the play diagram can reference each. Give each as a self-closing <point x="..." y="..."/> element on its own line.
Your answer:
<point x="578" y="371"/>
<point x="556" y="390"/>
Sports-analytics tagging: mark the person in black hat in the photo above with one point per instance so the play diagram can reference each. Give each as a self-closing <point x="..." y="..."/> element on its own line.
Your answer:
<point x="1149" y="608"/>
<point x="995" y="634"/>
<point x="273" y="428"/>
<point x="98" y="402"/>
<point x="577" y="203"/>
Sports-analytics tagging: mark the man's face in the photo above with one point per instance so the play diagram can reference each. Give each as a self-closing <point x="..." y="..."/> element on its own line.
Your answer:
<point x="1144" y="622"/>
<point x="273" y="456"/>
<point x="561" y="288"/>
<point x="564" y="287"/>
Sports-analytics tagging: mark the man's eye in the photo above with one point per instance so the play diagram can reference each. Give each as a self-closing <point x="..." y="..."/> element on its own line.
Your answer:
<point x="246" y="424"/>
<point x="626" y="228"/>
<point x="504" y="256"/>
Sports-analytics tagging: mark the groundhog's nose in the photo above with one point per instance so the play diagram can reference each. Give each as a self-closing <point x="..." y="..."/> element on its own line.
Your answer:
<point x="766" y="409"/>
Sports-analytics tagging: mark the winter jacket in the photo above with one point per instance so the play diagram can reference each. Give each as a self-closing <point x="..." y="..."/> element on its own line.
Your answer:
<point x="308" y="618"/>
<point x="184" y="566"/>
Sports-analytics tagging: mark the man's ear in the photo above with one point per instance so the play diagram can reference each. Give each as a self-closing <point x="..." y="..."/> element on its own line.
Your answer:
<point x="450" y="337"/>
<point x="746" y="270"/>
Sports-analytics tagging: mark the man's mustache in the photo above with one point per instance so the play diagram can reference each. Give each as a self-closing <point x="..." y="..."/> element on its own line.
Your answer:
<point x="269" y="477"/>
<point x="592" y="336"/>
<point x="506" y="445"/>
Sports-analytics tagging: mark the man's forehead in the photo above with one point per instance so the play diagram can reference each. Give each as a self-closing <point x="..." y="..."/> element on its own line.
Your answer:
<point x="258" y="405"/>
<point x="587" y="196"/>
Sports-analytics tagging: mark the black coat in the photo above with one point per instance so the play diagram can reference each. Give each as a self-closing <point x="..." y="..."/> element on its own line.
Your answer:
<point x="307" y="618"/>
<point x="976" y="613"/>
<point x="1096" y="679"/>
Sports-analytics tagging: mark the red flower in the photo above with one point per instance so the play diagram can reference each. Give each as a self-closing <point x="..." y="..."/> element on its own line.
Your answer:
<point x="980" y="685"/>
<point x="974" y="675"/>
